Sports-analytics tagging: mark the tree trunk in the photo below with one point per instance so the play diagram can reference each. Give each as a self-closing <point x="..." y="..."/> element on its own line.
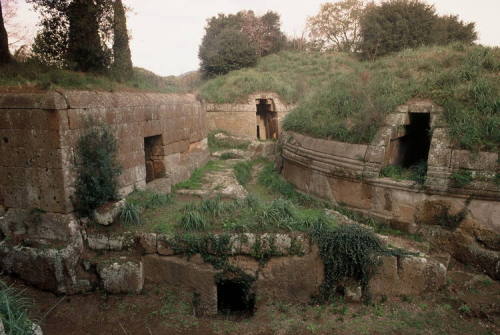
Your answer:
<point x="4" y="41"/>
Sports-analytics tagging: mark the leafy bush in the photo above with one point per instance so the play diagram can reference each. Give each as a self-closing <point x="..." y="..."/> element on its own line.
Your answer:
<point x="97" y="168"/>
<point x="462" y="178"/>
<point x="14" y="311"/>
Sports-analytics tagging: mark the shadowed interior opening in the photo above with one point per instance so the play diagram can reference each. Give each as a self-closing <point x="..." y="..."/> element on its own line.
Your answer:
<point x="234" y="297"/>
<point x="417" y="141"/>
<point x="267" y="120"/>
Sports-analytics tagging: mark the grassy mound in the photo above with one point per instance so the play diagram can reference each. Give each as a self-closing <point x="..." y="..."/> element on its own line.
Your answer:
<point x="32" y="76"/>
<point x="344" y="99"/>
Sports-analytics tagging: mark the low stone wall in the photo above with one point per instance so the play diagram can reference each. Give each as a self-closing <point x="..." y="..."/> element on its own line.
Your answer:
<point x="39" y="132"/>
<point x="463" y="221"/>
<point x="240" y="119"/>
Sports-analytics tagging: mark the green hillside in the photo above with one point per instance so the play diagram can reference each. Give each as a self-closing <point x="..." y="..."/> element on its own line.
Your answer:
<point x="342" y="98"/>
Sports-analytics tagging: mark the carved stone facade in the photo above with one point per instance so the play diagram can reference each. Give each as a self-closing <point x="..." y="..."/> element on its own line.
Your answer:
<point x="260" y="117"/>
<point x="463" y="220"/>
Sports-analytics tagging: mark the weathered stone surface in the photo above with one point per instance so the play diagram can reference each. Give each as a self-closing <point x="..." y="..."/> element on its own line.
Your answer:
<point x="41" y="130"/>
<point x="148" y="242"/>
<point x="409" y="275"/>
<point x="108" y="213"/>
<point x="195" y="277"/>
<point x="49" y="268"/>
<point x="37" y="330"/>
<point x="98" y="241"/>
<point x="294" y="279"/>
<point x="164" y="246"/>
<point x="122" y="277"/>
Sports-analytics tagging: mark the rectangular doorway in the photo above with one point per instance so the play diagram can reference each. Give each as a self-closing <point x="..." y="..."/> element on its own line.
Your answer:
<point x="154" y="157"/>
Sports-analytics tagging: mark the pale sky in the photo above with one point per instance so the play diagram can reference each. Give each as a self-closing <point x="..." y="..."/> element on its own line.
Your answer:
<point x="166" y="34"/>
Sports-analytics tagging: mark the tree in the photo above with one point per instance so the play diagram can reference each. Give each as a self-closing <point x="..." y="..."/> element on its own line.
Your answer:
<point x="264" y="32"/>
<point x="450" y="28"/>
<point x="122" y="64"/>
<point x="228" y="51"/>
<point x="5" y="56"/>
<point x="85" y="51"/>
<point x="398" y="24"/>
<point x="337" y="25"/>
<point x="74" y="33"/>
<point x="228" y="37"/>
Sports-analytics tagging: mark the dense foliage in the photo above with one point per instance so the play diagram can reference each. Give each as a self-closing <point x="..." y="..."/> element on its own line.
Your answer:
<point x="122" y="64"/>
<point x="74" y="34"/>
<point x="97" y="168"/>
<point x="400" y="24"/>
<point x="236" y="41"/>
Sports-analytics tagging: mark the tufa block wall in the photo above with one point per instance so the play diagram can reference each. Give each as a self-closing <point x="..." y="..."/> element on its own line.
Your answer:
<point x="39" y="132"/>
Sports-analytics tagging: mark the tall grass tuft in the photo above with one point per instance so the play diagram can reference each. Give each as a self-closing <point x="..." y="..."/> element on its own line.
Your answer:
<point x="14" y="311"/>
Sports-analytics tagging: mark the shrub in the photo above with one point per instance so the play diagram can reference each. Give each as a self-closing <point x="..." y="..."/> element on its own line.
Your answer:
<point x="14" y="311"/>
<point x="97" y="168"/>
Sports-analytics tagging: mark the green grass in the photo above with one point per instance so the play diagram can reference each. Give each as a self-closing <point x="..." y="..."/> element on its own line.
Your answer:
<point x="196" y="180"/>
<point x="416" y="172"/>
<point x="273" y="181"/>
<point x="243" y="172"/>
<point x="30" y="75"/>
<point x="339" y="97"/>
<point x="14" y="311"/>
<point x="218" y="144"/>
<point x="289" y="74"/>
<point x="461" y="178"/>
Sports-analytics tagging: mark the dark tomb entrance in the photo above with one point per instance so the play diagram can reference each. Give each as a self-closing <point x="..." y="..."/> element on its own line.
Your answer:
<point x="267" y="120"/>
<point x="413" y="147"/>
<point x="234" y="297"/>
<point x="417" y="141"/>
<point x="154" y="155"/>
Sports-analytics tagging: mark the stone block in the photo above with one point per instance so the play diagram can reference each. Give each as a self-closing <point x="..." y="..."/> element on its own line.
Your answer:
<point x="121" y="277"/>
<point x="147" y="241"/>
<point x="195" y="277"/>
<point x="107" y="214"/>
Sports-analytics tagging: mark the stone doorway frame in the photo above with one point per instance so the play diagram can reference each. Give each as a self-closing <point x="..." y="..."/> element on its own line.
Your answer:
<point x="154" y="157"/>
